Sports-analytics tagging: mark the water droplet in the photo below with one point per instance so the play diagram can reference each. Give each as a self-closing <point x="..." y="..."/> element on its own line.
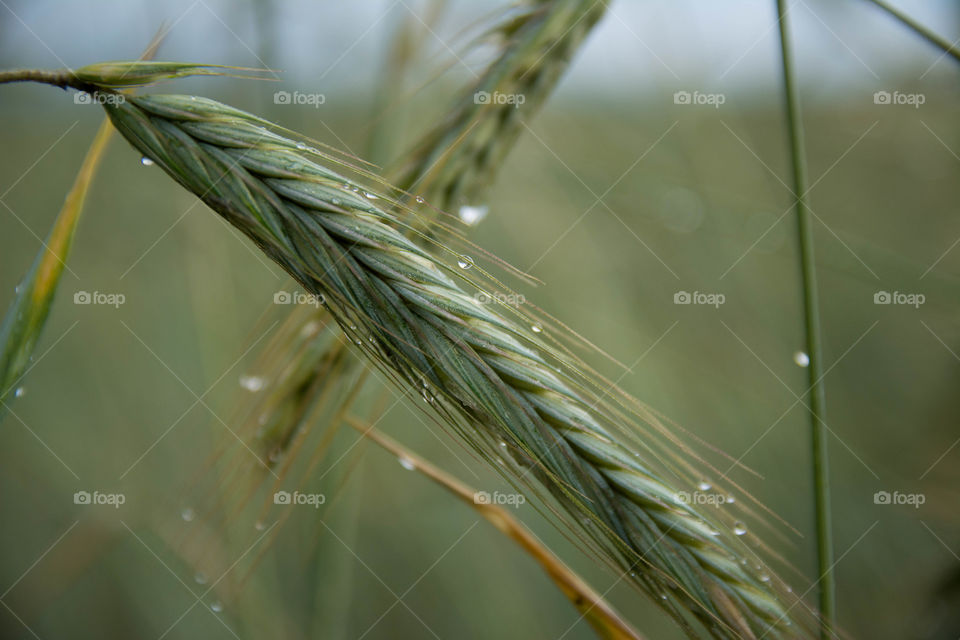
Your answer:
<point x="764" y="577"/>
<point x="730" y="500"/>
<point x="471" y="215"/>
<point x="17" y="288"/>
<point x="275" y="454"/>
<point x="200" y="578"/>
<point x="465" y="262"/>
<point x="406" y="463"/>
<point x="18" y="392"/>
<point x="503" y="444"/>
<point x="703" y="485"/>
<point x="335" y="202"/>
<point x="251" y="383"/>
<point x="301" y="146"/>
<point x="536" y="328"/>
<point x="682" y="210"/>
<point x="663" y="596"/>
<point x="187" y="514"/>
<point x="802" y="359"/>
<point x="370" y="196"/>
<point x="259" y="526"/>
<point x="145" y="161"/>
<point x="355" y="189"/>
<point x="739" y="528"/>
<point x="216" y="607"/>
<point x="311" y="327"/>
<point x="420" y="200"/>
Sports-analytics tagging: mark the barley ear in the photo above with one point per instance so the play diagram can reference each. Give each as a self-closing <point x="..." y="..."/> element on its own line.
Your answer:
<point x="491" y="377"/>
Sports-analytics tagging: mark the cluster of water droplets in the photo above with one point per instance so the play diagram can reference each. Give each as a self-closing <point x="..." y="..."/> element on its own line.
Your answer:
<point x="352" y="188"/>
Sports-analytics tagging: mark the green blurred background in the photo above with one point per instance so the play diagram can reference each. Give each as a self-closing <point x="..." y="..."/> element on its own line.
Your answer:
<point x="616" y="198"/>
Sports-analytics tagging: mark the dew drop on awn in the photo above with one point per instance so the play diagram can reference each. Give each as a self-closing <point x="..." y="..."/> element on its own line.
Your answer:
<point x="472" y="215"/>
<point x="251" y="383"/>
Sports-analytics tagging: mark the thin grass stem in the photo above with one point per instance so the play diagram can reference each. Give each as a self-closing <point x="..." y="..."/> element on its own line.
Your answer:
<point x="811" y="316"/>
<point x="919" y="29"/>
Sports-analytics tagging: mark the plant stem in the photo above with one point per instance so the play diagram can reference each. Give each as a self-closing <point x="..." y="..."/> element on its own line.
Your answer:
<point x="605" y="621"/>
<point x="821" y="472"/>
<point x="60" y="78"/>
<point x="920" y="30"/>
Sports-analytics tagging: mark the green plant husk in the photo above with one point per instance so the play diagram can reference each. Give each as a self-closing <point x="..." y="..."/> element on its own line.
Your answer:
<point x="455" y="159"/>
<point x="27" y="315"/>
<point x="490" y="375"/>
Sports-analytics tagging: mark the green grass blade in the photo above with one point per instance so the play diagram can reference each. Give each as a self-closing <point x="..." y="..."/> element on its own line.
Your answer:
<point x="27" y="314"/>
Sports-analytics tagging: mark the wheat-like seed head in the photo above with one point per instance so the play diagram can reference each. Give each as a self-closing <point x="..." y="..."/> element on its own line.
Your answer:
<point x="449" y="167"/>
<point x="487" y="372"/>
<point x="456" y="160"/>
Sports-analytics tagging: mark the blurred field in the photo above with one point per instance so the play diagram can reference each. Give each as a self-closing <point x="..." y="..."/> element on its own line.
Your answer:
<point x="701" y="211"/>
